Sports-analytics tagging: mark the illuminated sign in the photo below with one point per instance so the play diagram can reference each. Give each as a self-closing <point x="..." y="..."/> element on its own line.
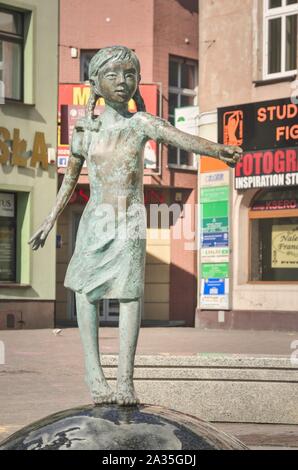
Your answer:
<point x="282" y="204"/>
<point x="268" y="132"/>
<point x="259" y="126"/>
<point x="269" y="168"/>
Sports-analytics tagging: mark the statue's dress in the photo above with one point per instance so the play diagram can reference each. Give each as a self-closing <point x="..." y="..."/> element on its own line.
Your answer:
<point x="109" y="256"/>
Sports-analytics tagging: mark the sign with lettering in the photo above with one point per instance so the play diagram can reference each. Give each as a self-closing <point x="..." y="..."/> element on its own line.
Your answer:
<point x="284" y="246"/>
<point x="215" y="255"/>
<point x="17" y="153"/>
<point x="214" y="194"/>
<point x="7" y="205"/>
<point x="215" y="239"/>
<point x="214" y="302"/>
<point x="215" y="286"/>
<point x="215" y="224"/>
<point x="259" y="126"/>
<point x="218" y="178"/>
<point x="282" y="204"/>
<point x="218" y="270"/>
<point x="270" y="168"/>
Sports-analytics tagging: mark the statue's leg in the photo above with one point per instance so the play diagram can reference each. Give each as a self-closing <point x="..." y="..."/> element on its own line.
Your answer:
<point x="129" y="326"/>
<point x="88" y="321"/>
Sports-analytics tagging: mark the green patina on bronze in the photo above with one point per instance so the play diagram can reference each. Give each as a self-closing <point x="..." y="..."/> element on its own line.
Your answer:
<point x="109" y="257"/>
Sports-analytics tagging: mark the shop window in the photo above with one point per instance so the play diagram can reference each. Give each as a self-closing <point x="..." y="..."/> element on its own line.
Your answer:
<point x="8" y="237"/>
<point x="280" y="38"/>
<point x="274" y="236"/>
<point x="14" y="236"/>
<point x="182" y="92"/>
<point x="11" y="53"/>
<point x="85" y="57"/>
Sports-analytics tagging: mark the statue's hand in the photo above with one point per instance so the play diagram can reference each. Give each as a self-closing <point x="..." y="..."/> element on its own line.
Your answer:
<point x="40" y="236"/>
<point x="230" y="154"/>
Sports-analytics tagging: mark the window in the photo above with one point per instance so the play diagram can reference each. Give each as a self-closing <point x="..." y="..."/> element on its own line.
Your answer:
<point x="11" y="53"/>
<point x="274" y="236"/>
<point x="85" y="57"/>
<point x="182" y="92"/>
<point x="7" y="237"/>
<point x="280" y="47"/>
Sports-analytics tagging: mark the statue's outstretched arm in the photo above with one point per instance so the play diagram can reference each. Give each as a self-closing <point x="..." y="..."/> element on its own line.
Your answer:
<point x="69" y="182"/>
<point x="162" y="131"/>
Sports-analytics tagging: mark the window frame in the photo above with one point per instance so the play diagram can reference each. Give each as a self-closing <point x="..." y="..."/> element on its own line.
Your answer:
<point x="179" y="91"/>
<point x="273" y="13"/>
<point x="15" y="39"/>
<point x="15" y="219"/>
<point x="254" y="215"/>
<point x="82" y="55"/>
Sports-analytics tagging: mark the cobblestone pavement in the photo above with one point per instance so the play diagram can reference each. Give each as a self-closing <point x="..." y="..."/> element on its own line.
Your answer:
<point x="43" y="372"/>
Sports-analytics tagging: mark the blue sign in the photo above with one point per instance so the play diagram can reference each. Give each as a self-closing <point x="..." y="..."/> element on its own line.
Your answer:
<point x="213" y="287"/>
<point x="215" y="239"/>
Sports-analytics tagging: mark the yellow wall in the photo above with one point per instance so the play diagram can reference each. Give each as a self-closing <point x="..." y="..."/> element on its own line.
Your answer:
<point x="157" y="276"/>
<point x="39" y="114"/>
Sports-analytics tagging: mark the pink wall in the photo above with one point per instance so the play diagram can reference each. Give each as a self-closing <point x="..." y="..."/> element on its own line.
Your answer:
<point x="84" y="25"/>
<point x="153" y="28"/>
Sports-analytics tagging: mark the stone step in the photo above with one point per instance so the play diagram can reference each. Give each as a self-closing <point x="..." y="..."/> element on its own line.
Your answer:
<point x="218" y="388"/>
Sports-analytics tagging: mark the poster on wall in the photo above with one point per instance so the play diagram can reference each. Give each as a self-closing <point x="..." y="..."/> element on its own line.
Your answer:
<point x="210" y="240"/>
<point x="214" y="194"/>
<point x="215" y="225"/>
<point x="215" y="179"/>
<point x="7" y="250"/>
<point x="215" y="255"/>
<point x="284" y="253"/>
<point x="214" y="228"/>
<point x="215" y="286"/>
<point x="214" y="302"/>
<point x="215" y="270"/>
<point x="215" y="209"/>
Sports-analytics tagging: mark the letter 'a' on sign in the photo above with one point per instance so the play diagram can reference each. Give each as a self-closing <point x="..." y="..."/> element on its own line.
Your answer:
<point x="4" y="150"/>
<point x="40" y="151"/>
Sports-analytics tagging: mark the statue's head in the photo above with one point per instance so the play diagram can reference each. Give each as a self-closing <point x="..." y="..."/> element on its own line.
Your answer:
<point x="109" y="57"/>
<point x="105" y="68"/>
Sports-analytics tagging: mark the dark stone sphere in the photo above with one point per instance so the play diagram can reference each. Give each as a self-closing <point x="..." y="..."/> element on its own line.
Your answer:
<point x="114" y="427"/>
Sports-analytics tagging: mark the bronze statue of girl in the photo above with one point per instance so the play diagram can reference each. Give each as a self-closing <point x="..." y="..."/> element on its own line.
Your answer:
<point x="109" y="257"/>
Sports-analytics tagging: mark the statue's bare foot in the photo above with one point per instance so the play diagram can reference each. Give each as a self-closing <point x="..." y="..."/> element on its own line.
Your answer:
<point x="101" y="392"/>
<point x="126" y="395"/>
<point x="105" y="397"/>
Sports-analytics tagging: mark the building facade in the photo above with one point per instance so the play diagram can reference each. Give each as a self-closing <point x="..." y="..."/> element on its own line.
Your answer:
<point x="28" y="141"/>
<point x="248" y="253"/>
<point x="164" y="36"/>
